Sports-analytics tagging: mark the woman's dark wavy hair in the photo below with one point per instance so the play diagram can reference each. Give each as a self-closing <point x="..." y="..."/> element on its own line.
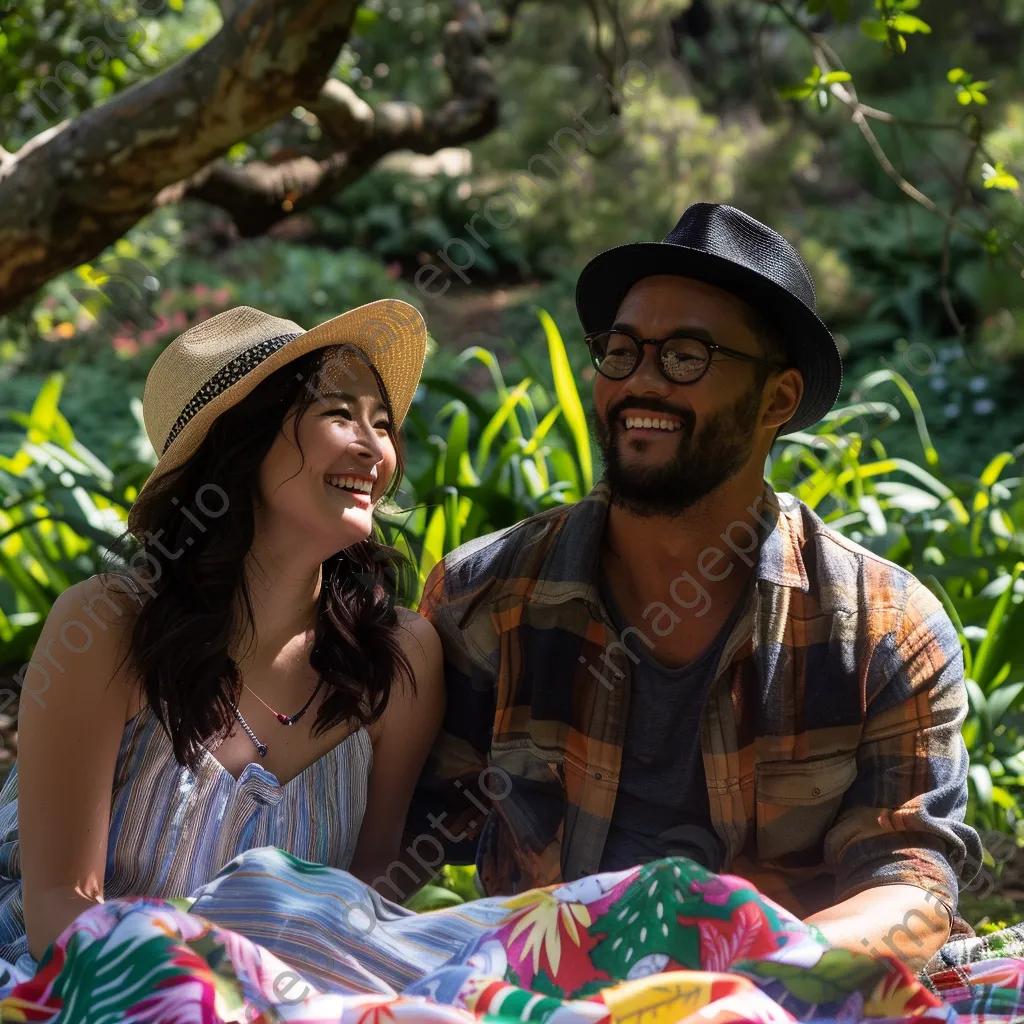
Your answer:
<point x="192" y="529"/>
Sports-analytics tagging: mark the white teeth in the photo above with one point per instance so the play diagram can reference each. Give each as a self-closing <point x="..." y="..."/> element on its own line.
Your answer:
<point x="649" y="423"/>
<point x="351" y="483"/>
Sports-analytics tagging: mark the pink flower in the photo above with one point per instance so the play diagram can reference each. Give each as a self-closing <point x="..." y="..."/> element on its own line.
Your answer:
<point x="179" y="321"/>
<point x="161" y="325"/>
<point x="147" y="338"/>
<point x="222" y="296"/>
<point x="127" y="346"/>
<point x="203" y="313"/>
<point x="200" y="291"/>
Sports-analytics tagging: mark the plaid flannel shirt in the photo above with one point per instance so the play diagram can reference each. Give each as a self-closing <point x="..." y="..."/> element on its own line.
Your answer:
<point x="830" y="738"/>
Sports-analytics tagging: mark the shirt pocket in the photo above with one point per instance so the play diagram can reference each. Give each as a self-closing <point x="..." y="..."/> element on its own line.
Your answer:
<point x="797" y="801"/>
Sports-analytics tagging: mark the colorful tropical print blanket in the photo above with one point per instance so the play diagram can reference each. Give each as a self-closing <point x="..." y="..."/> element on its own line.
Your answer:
<point x="662" y="943"/>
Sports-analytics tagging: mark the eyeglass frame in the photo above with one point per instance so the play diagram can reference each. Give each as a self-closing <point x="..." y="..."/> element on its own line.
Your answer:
<point x="659" y="344"/>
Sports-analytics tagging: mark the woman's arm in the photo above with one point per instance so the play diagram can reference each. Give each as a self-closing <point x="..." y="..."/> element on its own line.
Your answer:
<point x="401" y="743"/>
<point x="74" y="703"/>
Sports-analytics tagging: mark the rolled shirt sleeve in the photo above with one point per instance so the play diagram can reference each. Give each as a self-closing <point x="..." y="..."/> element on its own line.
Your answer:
<point x="902" y="819"/>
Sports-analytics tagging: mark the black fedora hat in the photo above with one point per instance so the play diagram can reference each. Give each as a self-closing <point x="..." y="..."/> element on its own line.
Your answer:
<point x="726" y="247"/>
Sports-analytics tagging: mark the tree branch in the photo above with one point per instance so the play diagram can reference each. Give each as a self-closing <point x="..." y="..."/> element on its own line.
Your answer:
<point x="356" y="135"/>
<point x="860" y="113"/>
<point x="74" y="189"/>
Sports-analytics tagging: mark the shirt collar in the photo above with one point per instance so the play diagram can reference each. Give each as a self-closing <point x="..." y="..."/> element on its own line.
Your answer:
<point x="780" y="559"/>
<point x="572" y="564"/>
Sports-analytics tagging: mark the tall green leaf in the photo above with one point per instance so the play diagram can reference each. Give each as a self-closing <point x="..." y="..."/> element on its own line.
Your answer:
<point x="44" y="416"/>
<point x="569" y="398"/>
<point x="499" y="420"/>
<point x="433" y="544"/>
<point x="452" y="519"/>
<point x="879" y="376"/>
<point x="940" y="592"/>
<point x="991" y="655"/>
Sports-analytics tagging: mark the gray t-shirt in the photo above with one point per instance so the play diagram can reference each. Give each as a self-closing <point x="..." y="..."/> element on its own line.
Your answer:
<point x="661" y="807"/>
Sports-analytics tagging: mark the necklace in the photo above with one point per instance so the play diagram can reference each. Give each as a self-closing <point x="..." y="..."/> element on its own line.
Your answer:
<point x="261" y="748"/>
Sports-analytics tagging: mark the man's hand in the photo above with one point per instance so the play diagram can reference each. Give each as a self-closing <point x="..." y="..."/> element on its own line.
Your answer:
<point x="888" y="920"/>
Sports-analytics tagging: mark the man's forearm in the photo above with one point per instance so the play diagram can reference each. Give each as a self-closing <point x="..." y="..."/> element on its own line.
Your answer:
<point x="889" y="920"/>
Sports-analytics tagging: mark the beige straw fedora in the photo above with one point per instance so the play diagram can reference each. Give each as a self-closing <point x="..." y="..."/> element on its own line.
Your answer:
<point x="215" y="364"/>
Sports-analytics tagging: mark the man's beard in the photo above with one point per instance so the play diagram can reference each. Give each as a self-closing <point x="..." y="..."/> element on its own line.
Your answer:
<point x="701" y="462"/>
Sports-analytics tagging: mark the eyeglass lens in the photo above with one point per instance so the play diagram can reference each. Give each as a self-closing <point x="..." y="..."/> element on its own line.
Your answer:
<point x="682" y="359"/>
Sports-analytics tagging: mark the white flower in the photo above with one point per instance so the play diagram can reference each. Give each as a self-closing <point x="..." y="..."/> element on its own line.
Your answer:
<point x="952" y="411"/>
<point x="939" y="383"/>
<point x="978" y="383"/>
<point x="983" y="406"/>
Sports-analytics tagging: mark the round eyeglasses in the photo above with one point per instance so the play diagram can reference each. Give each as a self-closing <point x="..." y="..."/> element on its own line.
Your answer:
<point x="681" y="358"/>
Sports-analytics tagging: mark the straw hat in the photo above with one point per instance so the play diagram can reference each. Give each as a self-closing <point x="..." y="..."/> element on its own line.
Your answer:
<point x="215" y="364"/>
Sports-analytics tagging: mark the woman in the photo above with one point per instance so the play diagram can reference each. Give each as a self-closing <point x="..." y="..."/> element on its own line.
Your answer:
<point x="248" y="681"/>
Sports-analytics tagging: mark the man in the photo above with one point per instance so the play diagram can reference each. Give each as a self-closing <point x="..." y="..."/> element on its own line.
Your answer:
<point x="686" y="662"/>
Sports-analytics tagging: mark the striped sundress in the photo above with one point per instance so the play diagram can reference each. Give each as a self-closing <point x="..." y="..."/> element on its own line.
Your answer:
<point x="172" y="830"/>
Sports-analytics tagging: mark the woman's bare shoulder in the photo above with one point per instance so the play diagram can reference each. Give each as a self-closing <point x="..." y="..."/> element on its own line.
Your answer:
<point x="418" y="639"/>
<point x="100" y="602"/>
<point x="87" y="634"/>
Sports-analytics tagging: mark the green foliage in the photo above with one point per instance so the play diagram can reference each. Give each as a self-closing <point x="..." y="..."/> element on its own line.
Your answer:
<point x="401" y="218"/>
<point x="816" y="84"/>
<point x="491" y="459"/>
<point x="967" y="89"/>
<point x="60" y="510"/>
<point x="894" y="24"/>
<point x="74" y="54"/>
<point x="453" y="885"/>
<point x="991" y="914"/>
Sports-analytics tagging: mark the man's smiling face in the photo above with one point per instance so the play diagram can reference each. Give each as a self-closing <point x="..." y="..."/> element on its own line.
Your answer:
<point x="667" y="445"/>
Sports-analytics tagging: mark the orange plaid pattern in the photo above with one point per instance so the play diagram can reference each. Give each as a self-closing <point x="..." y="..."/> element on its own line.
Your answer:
<point x="830" y="739"/>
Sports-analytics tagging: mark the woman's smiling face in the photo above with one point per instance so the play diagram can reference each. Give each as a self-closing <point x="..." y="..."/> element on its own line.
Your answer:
<point x="334" y="460"/>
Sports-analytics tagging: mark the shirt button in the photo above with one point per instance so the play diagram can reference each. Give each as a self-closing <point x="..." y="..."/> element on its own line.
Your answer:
<point x="597" y="775"/>
<point x="815" y="791"/>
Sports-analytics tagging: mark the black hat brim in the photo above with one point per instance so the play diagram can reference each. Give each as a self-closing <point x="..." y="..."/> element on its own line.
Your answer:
<point x="606" y="279"/>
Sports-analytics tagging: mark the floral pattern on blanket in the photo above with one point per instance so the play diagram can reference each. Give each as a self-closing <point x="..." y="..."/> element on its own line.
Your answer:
<point x="660" y="944"/>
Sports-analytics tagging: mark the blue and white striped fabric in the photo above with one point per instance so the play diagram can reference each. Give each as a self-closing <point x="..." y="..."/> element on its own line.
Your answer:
<point x="333" y="929"/>
<point x="172" y="830"/>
